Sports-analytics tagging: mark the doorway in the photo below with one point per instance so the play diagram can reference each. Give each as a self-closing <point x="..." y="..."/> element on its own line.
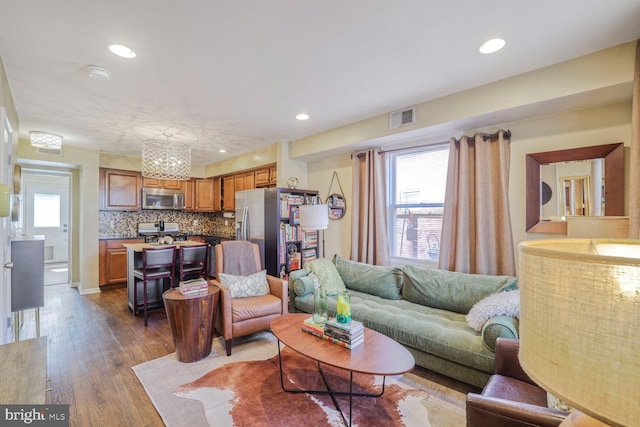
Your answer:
<point x="46" y="214"/>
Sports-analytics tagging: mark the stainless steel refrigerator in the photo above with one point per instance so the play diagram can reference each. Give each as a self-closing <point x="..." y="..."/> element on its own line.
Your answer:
<point x="250" y="217"/>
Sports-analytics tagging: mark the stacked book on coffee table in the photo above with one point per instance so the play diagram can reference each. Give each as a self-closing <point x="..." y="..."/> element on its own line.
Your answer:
<point x="346" y="335"/>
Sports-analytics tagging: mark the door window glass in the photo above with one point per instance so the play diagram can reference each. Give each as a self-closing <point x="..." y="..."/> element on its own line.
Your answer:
<point x="46" y="210"/>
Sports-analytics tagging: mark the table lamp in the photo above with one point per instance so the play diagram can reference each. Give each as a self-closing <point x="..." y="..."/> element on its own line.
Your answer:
<point x="580" y="325"/>
<point x="314" y="217"/>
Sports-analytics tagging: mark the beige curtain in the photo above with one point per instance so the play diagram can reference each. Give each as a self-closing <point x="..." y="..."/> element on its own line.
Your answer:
<point x="634" y="169"/>
<point x="369" y="236"/>
<point x="476" y="228"/>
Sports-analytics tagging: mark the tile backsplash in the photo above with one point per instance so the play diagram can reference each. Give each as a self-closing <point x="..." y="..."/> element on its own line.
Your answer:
<point x="125" y="224"/>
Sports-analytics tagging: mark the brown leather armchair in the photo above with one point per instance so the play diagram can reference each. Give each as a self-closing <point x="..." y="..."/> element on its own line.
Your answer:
<point x="244" y="316"/>
<point x="510" y="398"/>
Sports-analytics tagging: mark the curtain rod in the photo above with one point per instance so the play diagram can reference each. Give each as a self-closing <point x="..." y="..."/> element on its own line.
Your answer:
<point x="486" y="137"/>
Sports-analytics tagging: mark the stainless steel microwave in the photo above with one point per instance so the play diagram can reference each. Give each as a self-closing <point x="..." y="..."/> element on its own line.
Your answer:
<point x="161" y="198"/>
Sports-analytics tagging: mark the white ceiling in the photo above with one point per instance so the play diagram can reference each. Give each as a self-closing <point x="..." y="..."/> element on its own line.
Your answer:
<point x="233" y="74"/>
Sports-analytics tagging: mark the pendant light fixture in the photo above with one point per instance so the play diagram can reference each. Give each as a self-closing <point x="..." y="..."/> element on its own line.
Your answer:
<point x="166" y="159"/>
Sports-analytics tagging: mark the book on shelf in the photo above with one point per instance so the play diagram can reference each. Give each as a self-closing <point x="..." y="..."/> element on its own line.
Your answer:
<point x="294" y="214"/>
<point x="295" y="261"/>
<point x="310" y="238"/>
<point x="309" y="255"/>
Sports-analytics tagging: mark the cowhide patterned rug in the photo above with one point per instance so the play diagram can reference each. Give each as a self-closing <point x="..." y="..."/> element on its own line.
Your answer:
<point x="245" y="390"/>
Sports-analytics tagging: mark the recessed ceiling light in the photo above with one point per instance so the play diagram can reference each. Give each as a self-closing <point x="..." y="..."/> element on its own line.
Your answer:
<point x="302" y="116"/>
<point x="98" y="73"/>
<point x="122" y="51"/>
<point x="491" y="46"/>
<point x="222" y="150"/>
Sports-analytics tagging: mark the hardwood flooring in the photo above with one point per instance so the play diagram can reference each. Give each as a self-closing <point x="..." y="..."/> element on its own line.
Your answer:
<point x="94" y="340"/>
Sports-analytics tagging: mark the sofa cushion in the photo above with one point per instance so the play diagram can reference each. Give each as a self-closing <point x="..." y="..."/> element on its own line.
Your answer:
<point x="449" y="290"/>
<point x="385" y="282"/>
<point x="327" y="275"/>
<point x="252" y="285"/>
<point x="502" y="303"/>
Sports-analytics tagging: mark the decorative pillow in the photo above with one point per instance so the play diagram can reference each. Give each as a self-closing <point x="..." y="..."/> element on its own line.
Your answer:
<point x="378" y="280"/>
<point x="304" y="285"/>
<point x="253" y="285"/>
<point x="450" y="290"/>
<point x="499" y="304"/>
<point x="327" y="274"/>
<point x="555" y="403"/>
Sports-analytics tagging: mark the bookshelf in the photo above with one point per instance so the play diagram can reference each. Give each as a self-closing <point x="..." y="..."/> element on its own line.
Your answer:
<point x="287" y="247"/>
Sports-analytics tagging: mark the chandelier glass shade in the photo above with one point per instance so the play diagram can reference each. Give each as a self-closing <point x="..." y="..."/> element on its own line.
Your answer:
<point x="47" y="140"/>
<point x="166" y="160"/>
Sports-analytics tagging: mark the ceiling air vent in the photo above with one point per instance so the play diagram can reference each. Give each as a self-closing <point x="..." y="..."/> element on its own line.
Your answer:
<point x="50" y="151"/>
<point x="404" y="117"/>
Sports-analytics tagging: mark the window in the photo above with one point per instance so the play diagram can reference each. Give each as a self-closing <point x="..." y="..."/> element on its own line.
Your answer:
<point x="417" y="183"/>
<point x="46" y="210"/>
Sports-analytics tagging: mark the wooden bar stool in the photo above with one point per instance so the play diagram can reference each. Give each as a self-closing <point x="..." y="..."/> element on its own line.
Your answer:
<point x="157" y="264"/>
<point x="193" y="261"/>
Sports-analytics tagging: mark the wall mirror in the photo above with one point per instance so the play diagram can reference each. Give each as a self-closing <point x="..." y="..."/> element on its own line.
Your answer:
<point x="585" y="181"/>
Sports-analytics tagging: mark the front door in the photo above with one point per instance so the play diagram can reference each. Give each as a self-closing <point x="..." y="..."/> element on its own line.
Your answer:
<point x="6" y="137"/>
<point x="47" y="212"/>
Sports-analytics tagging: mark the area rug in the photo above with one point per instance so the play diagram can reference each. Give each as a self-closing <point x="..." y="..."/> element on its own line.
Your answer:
<point x="245" y="390"/>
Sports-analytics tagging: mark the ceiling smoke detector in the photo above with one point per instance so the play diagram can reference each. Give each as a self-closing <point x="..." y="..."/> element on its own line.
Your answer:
<point x="98" y="73"/>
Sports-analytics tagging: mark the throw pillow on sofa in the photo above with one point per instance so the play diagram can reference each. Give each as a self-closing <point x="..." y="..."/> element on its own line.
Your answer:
<point x="500" y="304"/>
<point x="449" y="290"/>
<point x="327" y="275"/>
<point x="382" y="281"/>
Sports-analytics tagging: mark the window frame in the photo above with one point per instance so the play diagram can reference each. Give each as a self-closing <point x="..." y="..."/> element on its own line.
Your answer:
<point x="392" y="206"/>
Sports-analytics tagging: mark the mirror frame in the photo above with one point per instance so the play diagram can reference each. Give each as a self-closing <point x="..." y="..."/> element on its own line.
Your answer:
<point x="614" y="182"/>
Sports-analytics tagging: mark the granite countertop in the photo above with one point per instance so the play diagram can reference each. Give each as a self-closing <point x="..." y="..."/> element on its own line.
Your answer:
<point x="117" y="236"/>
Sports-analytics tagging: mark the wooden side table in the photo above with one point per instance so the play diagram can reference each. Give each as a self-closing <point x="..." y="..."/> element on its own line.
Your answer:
<point x="192" y="321"/>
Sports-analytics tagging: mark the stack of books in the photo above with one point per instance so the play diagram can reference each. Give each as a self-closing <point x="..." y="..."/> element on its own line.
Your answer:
<point x="193" y="287"/>
<point x="348" y="336"/>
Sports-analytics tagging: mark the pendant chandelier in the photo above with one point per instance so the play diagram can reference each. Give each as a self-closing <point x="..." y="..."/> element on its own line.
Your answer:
<point x="166" y="159"/>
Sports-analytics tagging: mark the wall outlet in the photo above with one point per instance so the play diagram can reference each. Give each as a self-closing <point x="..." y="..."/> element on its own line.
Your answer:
<point x="112" y="224"/>
<point x="195" y="222"/>
<point x="226" y="222"/>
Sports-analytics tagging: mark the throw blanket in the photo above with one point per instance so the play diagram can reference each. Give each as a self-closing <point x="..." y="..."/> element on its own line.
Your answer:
<point x="238" y="258"/>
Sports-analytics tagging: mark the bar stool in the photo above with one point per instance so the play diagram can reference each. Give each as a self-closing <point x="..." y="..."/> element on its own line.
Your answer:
<point x="193" y="261"/>
<point x="157" y="264"/>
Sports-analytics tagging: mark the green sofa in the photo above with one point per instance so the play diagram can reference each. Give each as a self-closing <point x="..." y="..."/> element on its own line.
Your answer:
<point x="423" y="309"/>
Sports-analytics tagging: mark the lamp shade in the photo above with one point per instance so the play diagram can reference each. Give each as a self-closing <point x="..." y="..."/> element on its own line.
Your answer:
<point x="314" y="217"/>
<point x="580" y="323"/>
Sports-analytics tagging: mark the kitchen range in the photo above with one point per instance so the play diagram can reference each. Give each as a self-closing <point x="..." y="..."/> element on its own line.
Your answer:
<point x="161" y="232"/>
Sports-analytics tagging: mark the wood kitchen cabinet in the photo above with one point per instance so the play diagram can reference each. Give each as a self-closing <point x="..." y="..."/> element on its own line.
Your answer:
<point x="112" y="268"/>
<point x="266" y="176"/>
<point x="228" y="194"/>
<point x="243" y="181"/>
<point x="120" y="190"/>
<point x="171" y="184"/>
<point x="189" y="199"/>
<point x="203" y="195"/>
<point x="217" y="194"/>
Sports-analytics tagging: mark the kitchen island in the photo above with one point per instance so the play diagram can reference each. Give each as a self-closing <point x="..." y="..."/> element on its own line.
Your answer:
<point x="154" y="287"/>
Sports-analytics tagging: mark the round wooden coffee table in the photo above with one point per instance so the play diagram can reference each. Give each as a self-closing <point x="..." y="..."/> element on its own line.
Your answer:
<point x="192" y="321"/>
<point x="378" y="355"/>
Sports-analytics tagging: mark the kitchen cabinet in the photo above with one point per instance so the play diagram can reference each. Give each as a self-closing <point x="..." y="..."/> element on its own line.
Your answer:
<point x="228" y="194"/>
<point x="172" y="184"/>
<point x="266" y="176"/>
<point x="112" y="268"/>
<point x="243" y="181"/>
<point x="189" y="199"/>
<point x="203" y="195"/>
<point x="217" y="194"/>
<point x="120" y="190"/>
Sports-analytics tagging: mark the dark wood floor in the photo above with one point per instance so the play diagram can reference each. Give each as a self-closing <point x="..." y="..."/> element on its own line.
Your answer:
<point x="94" y="340"/>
